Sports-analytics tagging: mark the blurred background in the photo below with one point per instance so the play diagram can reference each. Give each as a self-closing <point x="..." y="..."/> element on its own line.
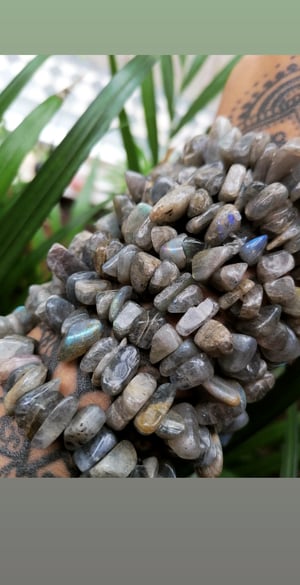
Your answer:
<point x="86" y="75"/>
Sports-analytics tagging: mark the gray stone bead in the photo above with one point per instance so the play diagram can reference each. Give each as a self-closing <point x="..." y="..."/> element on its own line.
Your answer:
<point x="32" y="378"/>
<point x="26" y="320"/>
<point x="136" y="183"/>
<point x="62" y="263"/>
<point x="120" y="298"/>
<point x="270" y="198"/>
<point x="15" y="346"/>
<point x="7" y="366"/>
<point x="150" y="416"/>
<point x="172" y="425"/>
<point x="275" y="265"/>
<point x="164" y="342"/>
<point x="173" y="205"/>
<point x="124" y="320"/>
<point x="143" y="235"/>
<point x="199" y="203"/>
<point x="228" y="277"/>
<point x="95" y="354"/>
<point x="210" y="177"/>
<point x="262" y="325"/>
<point x="166" y="273"/>
<point x="162" y="234"/>
<point x="162" y="300"/>
<point x="79" y="338"/>
<point x="120" y="370"/>
<point x="244" y="348"/>
<point x="119" y="462"/>
<point x="227" y="391"/>
<point x="161" y="186"/>
<point x="211" y="464"/>
<point x="193" y="372"/>
<point x="123" y="206"/>
<point x="125" y="258"/>
<point x="87" y="290"/>
<point x="144" y="327"/>
<point x="217" y="413"/>
<point x="226" y="144"/>
<point x="199" y="222"/>
<point x="195" y="317"/>
<point x="281" y="291"/>
<point x="83" y="427"/>
<point x="74" y="317"/>
<point x="239" y="422"/>
<point x="263" y="163"/>
<point x="185" y="351"/>
<point x="134" y="397"/>
<point x="259" y="389"/>
<point x="105" y="361"/>
<point x="187" y="445"/>
<point x="142" y="269"/>
<point x="251" y="371"/>
<point x="134" y="221"/>
<point x="33" y="408"/>
<point x="76" y="277"/>
<point x="79" y="242"/>
<point x="193" y="152"/>
<point x="103" y="302"/>
<point x="191" y="296"/>
<point x="289" y="352"/>
<point x="252" y="302"/>
<point x="214" y="338"/>
<point x="174" y="252"/>
<point x="55" y="423"/>
<point x="226" y="222"/>
<point x="286" y="157"/>
<point x="206" y="262"/>
<point x="88" y="455"/>
<point x="232" y="183"/>
<point x="151" y="465"/>
<point x="57" y="310"/>
<point x="109" y="224"/>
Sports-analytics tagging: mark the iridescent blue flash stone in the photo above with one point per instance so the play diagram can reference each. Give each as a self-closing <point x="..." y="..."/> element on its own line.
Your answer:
<point x="252" y="250"/>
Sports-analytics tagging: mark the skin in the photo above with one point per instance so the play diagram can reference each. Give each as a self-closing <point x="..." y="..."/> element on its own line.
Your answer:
<point x="262" y="94"/>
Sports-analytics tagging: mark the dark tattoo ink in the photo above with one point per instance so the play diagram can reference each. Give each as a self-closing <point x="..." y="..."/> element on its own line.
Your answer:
<point x="276" y="100"/>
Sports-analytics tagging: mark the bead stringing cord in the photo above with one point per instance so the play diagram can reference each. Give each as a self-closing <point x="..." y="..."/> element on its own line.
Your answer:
<point x="176" y="310"/>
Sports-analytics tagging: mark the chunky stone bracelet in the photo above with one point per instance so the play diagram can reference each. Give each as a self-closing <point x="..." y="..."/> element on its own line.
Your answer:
<point x="178" y="308"/>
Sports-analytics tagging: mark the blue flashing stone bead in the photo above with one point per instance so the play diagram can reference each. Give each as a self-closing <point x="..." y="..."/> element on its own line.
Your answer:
<point x="252" y="250"/>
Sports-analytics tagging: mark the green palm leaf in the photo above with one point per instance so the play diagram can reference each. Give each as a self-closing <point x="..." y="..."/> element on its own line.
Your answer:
<point x="12" y="90"/>
<point x="27" y="213"/>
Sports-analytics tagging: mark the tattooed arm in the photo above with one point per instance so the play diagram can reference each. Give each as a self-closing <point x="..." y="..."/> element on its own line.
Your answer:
<point x="17" y="458"/>
<point x="263" y="93"/>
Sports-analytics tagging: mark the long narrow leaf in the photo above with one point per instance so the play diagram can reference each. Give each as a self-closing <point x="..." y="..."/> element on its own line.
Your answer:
<point x="82" y="202"/>
<point x="168" y="82"/>
<point x="289" y="460"/>
<point x="12" y="90"/>
<point x="21" y="141"/>
<point x="149" y="104"/>
<point x="195" y="67"/>
<point x="182" y="60"/>
<point x="20" y="222"/>
<point x="128" y="141"/>
<point x="207" y="95"/>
